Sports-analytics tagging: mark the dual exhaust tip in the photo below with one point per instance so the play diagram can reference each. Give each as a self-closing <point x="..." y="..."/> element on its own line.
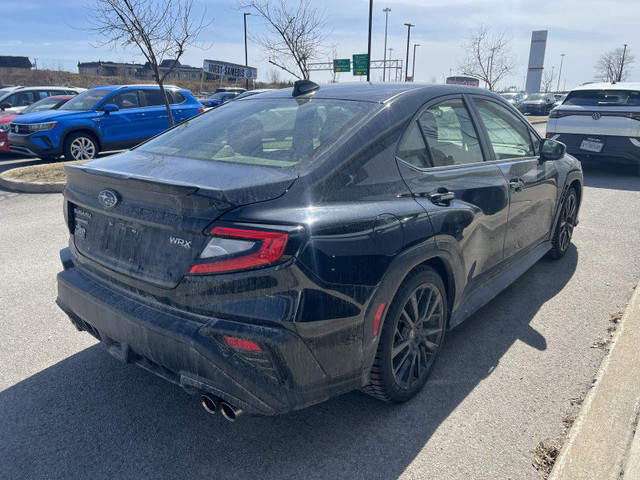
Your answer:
<point x="214" y="404"/>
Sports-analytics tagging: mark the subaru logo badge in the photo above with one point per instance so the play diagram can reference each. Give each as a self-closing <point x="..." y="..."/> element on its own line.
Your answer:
<point x="108" y="198"/>
<point x="596" y="115"/>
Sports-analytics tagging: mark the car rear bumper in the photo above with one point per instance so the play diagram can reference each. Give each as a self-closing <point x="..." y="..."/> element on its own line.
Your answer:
<point x="26" y="145"/>
<point x="284" y="376"/>
<point x="616" y="149"/>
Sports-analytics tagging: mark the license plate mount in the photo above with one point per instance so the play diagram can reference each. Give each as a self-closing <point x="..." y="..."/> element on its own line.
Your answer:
<point x="591" y="144"/>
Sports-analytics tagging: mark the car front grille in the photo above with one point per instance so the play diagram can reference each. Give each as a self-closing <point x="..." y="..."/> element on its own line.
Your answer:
<point x="20" y="129"/>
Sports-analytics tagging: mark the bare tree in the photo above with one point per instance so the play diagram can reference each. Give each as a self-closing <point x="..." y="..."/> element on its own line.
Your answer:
<point x="160" y="29"/>
<point x="609" y="65"/>
<point x="297" y="33"/>
<point x="547" y="80"/>
<point x="488" y="57"/>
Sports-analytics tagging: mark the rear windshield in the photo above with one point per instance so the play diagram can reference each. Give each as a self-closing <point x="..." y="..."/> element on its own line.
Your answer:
<point x="272" y="132"/>
<point x="612" y="98"/>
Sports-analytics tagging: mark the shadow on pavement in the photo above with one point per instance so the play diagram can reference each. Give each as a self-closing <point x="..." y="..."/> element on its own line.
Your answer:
<point x="91" y="417"/>
<point x="617" y="177"/>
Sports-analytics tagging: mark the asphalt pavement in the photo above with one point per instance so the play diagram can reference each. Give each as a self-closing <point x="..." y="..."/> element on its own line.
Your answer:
<point x="506" y="380"/>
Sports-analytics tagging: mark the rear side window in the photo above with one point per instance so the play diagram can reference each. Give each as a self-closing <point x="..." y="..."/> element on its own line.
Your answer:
<point x="153" y="98"/>
<point x="449" y="134"/>
<point x="175" y="97"/>
<point x="610" y="98"/>
<point x="509" y="136"/>
<point x="273" y="132"/>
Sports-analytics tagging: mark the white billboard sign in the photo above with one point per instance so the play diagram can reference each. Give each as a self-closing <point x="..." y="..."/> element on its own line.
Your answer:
<point x="226" y="69"/>
<point x="536" y="61"/>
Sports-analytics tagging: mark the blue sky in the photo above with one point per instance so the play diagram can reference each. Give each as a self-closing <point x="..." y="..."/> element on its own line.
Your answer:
<point x="51" y="31"/>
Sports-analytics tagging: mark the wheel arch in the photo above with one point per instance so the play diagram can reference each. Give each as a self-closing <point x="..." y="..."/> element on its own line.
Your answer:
<point x="81" y="129"/>
<point x="425" y="254"/>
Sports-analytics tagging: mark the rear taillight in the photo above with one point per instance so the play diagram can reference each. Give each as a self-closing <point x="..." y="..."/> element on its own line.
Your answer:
<point x="554" y="114"/>
<point x="201" y="109"/>
<point x="241" y="344"/>
<point x="548" y="135"/>
<point x="237" y="249"/>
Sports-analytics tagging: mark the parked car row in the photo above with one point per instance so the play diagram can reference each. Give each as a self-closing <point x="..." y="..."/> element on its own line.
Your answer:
<point x="109" y="117"/>
<point x="534" y="103"/>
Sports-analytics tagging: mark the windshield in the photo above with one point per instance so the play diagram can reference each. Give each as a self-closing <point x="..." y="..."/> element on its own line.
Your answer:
<point x="537" y="96"/>
<point x="44" y="104"/>
<point x="222" y="95"/>
<point x="613" y="98"/>
<point x="272" y="132"/>
<point x="509" y="96"/>
<point x="86" y="100"/>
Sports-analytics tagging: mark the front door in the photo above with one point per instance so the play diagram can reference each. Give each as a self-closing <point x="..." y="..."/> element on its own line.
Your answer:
<point x="442" y="162"/>
<point x="125" y="127"/>
<point x="533" y="185"/>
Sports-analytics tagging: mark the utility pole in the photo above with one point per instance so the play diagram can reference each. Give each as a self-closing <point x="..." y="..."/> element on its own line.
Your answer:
<point x="369" y="45"/>
<point x="386" y="22"/>
<point x="406" y="67"/>
<point x="622" y="62"/>
<point x="560" y="72"/>
<point x="413" y="70"/>
<point x="246" y="57"/>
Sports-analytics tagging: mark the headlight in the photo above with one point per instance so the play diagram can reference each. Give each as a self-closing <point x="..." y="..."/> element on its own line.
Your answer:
<point x="5" y="127"/>
<point x="39" y="127"/>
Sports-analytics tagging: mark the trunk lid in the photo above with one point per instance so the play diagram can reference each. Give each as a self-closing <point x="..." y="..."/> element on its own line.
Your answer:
<point x="149" y="223"/>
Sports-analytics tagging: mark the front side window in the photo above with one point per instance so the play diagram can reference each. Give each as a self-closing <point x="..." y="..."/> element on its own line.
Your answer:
<point x="126" y="100"/>
<point x="449" y="134"/>
<point x="509" y="136"/>
<point x="273" y="132"/>
<point x="21" y="99"/>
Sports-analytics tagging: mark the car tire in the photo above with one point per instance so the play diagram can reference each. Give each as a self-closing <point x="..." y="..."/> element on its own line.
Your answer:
<point x="408" y="348"/>
<point x="566" y="223"/>
<point x="80" y="146"/>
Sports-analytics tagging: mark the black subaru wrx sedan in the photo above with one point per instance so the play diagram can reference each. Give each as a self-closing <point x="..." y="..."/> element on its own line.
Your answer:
<point x="295" y="245"/>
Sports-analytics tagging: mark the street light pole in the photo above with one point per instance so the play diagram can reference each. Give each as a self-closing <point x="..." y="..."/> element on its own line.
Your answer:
<point x="386" y="22"/>
<point x="391" y="60"/>
<point x="246" y="56"/>
<point x="406" y="65"/>
<point x="622" y="62"/>
<point x="413" y="69"/>
<point x="369" y="45"/>
<point x="560" y="72"/>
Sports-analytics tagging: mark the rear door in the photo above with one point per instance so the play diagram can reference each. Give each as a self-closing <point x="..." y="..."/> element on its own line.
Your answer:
<point x="442" y="161"/>
<point x="533" y="186"/>
<point x="156" y="117"/>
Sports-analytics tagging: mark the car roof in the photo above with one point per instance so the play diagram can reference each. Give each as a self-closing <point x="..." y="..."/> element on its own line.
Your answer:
<point x="609" y="86"/>
<point x="377" y="92"/>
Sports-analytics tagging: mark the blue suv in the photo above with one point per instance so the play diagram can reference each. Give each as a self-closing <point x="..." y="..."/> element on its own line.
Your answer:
<point x="109" y="117"/>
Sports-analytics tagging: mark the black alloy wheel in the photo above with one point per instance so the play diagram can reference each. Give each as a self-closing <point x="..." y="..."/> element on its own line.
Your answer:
<point x="411" y="338"/>
<point x="566" y="223"/>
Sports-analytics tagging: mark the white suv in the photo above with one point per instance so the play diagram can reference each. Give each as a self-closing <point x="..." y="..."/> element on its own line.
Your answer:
<point x="601" y="122"/>
<point x="16" y="99"/>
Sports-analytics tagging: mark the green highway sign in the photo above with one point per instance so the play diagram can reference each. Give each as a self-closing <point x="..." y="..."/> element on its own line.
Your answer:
<point x="341" y="65"/>
<point x="361" y="64"/>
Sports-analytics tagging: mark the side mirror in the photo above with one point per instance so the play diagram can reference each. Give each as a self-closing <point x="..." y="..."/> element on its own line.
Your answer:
<point x="552" y="150"/>
<point x="110" y="107"/>
<point x="5" y="105"/>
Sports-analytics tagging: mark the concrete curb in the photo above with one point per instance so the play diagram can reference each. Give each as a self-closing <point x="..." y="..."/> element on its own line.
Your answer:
<point x="601" y="442"/>
<point x="30" y="187"/>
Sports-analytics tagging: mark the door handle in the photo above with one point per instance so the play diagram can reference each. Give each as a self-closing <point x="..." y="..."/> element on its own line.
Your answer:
<point x="516" y="185"/>
<point x="441" y="197"/>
